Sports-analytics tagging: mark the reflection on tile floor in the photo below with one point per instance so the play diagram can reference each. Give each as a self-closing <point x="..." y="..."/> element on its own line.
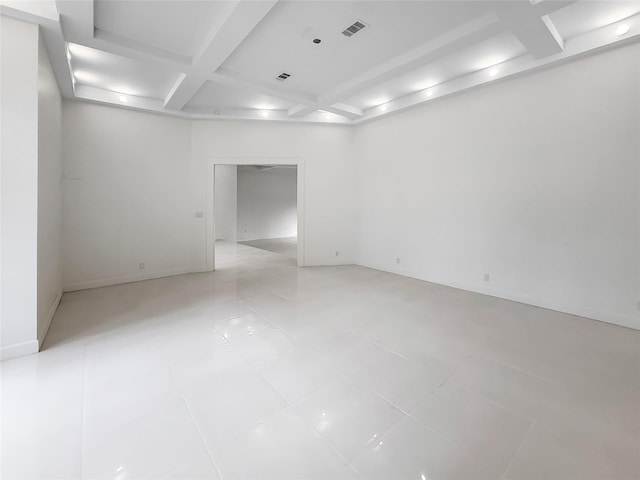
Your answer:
<point x="265" y="370"/>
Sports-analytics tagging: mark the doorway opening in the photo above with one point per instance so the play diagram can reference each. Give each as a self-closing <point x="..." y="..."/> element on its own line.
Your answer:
<point x="257" y="203"/>
<point x="267" y="213"/>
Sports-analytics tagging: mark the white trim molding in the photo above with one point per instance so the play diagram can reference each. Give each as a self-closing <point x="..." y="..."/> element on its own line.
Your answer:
<point x="612" y="318"/>
<point x="136" y="277"/>
<point x="18" y="350"/>
<point x="210" y="195"/>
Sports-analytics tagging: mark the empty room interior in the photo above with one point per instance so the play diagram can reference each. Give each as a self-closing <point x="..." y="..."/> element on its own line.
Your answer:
<point x="256" y="205"/>
<point x="349" y="239"/>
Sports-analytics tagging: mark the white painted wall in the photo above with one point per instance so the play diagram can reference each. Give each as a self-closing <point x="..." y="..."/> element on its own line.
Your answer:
<point x="329" y="178"/>
<point x="127" y="195"/>
<point x="49" y="193"/>
<point x="226" y="202"/>
<point x="533" y="180"/>
<point x="133" y="182"/>
<point x="267" y="203"/>
<point x="18" y="187"/>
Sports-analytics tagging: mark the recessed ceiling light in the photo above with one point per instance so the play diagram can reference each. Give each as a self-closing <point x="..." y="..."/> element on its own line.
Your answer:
<point x="493" y="72"/>
<point x="122" y="98"/>
<point x="316" y="41"/>
<point x="429" y="93"/>
<point x="383" y="108"/>
<point x="622" y="29"/>
<point x="265" y="114"/>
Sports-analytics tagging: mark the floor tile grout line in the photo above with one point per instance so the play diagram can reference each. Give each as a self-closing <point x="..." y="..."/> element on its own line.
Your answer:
<point x="435" y="432"/>
<point x="486" y="397"/>
<point x="455" y="371"/>
<point x="328" y="445"/>
<point x="309" y="348"/>
<point x="84" y="411"/>
<point x="193" y="419"/>
<point x="256" y="371"/>
<point x="266" y="317"/>
<point x="515" y="454"/>
<point x="518" y="452"/>
<point x="364" y="449"/>
<point x="289" y="404"/>
<point x="291" y="407"/>
<point x="514" y="368"/>
<point x="315" y="392"/>
<point x="445" y="437"/>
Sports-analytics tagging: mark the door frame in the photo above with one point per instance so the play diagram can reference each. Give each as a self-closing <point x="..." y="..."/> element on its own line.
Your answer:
<point x="210" y="233"/>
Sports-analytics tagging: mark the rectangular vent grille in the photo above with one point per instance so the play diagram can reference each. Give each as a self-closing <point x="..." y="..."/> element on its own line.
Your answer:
<point x="283" y="76"/>
<point x="353" y="29"/>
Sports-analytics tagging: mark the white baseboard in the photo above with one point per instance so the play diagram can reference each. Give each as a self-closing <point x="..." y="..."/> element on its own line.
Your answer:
<point x="608" y="317"/>
<point x="18" y="350"/>
<point x="42" y="331"/>
<point x="202" y="269"/>
<point x="136" y="277"/>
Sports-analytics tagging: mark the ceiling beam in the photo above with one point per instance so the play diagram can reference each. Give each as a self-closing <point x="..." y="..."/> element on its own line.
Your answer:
<point x="109" y="41"/>
<point x="463" y="36"/>
<point x="293" y="111"/>
<point x="182" y="91"/>
<point x="343" y="109"/>
<point x="77" y="18"/>
<point x="458" y="38"/>
<point x="221" y="42"/>
<point x="545" y="7"/>
<point x="232" y="78"/>
<point x="600" y="39"/>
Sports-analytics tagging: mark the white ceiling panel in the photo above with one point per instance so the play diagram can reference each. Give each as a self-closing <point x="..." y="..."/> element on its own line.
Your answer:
<point x="215" y="96"/>
<point x="175" y="26"/>
<point x="493" y="51"/>
<point x="220" y="58"/>
<point x="95" y="68"/>
<point x="283" y="41"/>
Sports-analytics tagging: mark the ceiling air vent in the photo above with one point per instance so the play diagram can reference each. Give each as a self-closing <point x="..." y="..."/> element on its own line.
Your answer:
<point x="353" y="29"/>
<point x="283" y="76"/>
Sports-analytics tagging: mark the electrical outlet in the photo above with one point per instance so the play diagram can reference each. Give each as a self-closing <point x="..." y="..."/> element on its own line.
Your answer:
<point x="487" y="277"/>
<point x="398" y="260"/>
<point x="199" y="214"/>
<point x="141" y="266"/>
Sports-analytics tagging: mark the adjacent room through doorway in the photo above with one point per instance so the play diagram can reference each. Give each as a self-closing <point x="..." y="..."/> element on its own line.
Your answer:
<point x="257" y="206"/>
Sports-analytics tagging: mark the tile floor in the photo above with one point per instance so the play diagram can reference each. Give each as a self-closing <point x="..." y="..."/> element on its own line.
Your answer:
<point x="264" y="370"/>
<point x="287" y="246"/>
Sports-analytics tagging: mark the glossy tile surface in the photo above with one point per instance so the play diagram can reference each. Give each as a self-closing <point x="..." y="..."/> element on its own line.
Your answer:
<point x="265" y="370"/>
<point x="348" y="417"/>
<point x="287" y="246"/>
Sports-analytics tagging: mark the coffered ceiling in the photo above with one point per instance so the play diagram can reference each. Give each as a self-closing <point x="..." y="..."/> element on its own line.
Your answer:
<point x="222" y="59"/>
